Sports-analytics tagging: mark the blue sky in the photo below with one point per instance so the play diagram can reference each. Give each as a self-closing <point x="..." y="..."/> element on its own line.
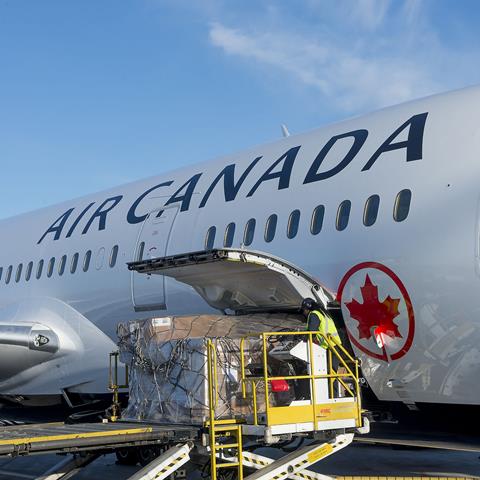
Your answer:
<point x="94" y="93"/>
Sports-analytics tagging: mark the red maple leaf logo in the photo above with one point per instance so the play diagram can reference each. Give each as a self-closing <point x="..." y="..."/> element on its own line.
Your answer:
<point x="372" y="313"/>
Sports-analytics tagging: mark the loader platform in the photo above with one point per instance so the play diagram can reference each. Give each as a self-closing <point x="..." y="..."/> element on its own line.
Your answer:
<point x="64" y="438"/>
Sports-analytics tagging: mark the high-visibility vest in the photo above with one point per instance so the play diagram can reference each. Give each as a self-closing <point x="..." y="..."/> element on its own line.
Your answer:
<point x="326" y="326"/>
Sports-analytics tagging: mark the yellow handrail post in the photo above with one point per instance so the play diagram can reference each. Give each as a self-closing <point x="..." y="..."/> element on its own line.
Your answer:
<point x="312" y="380"/>
<point x="215" y="373"/>
<point x="240" y="452"/>
<point x="254" y="397"/>
<point x="359" y="399"/>
<point x="242" y="367"/>
<point x="331" y="380"/>
<point x="211" y="407"/>
<point x="265" y="375"/>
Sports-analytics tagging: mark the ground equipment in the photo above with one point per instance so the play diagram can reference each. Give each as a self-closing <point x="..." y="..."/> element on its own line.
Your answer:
<point x="260" y="386"/>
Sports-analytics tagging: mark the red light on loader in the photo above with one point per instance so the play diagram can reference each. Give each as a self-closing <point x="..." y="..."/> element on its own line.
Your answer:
<point x="279" y="386"/>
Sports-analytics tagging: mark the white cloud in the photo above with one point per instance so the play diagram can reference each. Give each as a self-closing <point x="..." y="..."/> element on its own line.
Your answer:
<point x="355" y="78"/>
<point x="356" y="54"/>
<point x="272" y="50"/>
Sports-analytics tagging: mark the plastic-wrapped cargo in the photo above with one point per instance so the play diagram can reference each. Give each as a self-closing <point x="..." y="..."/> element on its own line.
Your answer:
<point x="167" y="361"/>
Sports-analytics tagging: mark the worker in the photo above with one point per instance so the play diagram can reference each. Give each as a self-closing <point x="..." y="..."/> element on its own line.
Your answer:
<point x="319" y="321"/>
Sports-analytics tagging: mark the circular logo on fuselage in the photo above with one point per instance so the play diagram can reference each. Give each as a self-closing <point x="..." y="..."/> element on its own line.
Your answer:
<point x="377" y="310"/>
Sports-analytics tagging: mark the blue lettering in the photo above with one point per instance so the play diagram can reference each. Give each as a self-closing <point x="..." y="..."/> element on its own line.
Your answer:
<point x="101" y="213"/>
<point x="413" y="144"/>
<point x="283" y="175"/>
<point x="359" y="137"/>
<point x="132" y="216"/>
<point x="230" y="188"/>
<point x="186" y="197"/>
<point x="57" y="225"/>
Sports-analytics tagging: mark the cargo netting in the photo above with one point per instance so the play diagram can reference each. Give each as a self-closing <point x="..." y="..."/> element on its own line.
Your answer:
<point x="167" y="359"/>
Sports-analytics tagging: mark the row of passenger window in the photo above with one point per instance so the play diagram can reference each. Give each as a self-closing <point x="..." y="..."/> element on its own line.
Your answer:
<point x="370" y="213"/>
<point x="50" y="268"/>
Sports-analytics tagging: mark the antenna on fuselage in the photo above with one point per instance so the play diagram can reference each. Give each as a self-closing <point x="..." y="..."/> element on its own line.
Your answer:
<point x="285" y="131"/>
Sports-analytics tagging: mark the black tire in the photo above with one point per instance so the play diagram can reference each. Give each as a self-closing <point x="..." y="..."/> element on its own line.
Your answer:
<point x="146" y="454"/>
<point x="127" y="456"/>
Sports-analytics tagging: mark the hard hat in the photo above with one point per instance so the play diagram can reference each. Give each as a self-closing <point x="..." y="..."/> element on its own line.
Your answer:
<point x="308" y="304"/>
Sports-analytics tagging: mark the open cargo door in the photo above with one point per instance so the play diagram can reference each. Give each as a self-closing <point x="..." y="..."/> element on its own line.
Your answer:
<point x="240" y="280"/>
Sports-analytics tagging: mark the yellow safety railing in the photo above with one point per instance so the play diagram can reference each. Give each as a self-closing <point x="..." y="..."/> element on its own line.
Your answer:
<point x="334" y="350"/>
<point x="226" y="433"/>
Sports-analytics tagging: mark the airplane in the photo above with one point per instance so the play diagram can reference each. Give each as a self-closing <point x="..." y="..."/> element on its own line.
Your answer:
<point x="382" y="209"/>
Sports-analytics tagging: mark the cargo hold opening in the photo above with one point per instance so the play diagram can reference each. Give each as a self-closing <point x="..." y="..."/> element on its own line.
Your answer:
<point x="240" y="281"/>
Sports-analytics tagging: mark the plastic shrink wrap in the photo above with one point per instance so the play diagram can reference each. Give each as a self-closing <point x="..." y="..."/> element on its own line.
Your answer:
<point x="167" y="359"/>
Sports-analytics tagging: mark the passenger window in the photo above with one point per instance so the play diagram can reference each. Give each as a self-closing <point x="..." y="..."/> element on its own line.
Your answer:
<point x="371" y="210"/>
<point x="28" y="271"/>
<point x="19" y="272"/>
<point x="100" y="258"/>
<point x="210" y="238"/>
<point x="317" y="220"/>
<point x="62" y="264"/>
<point x="293" y="221"/>
<point x="74" y="263"/>
<point x="402" y="205"/>
<point x="113" y="256"/>
<point x="249" y="232"/>
<point x="343" y="215"/>
<point x="270" y="227"/>
<point x="8" y="276"/>
<point x="39" y="269"/>
<point x="51" y="265"/>
<point x="141" y="248"/>
<point x="86" y="260"/>
<point x="229" y="234"/>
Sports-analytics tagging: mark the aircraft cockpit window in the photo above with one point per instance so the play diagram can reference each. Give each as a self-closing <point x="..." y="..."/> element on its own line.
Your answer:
<point x="317" y="220"/>
<point x="210" y="238"/>
<point x="270" y="227"/>
<point x="51" y="265"/>
<point x="293" y="222"/>
<point x="74" y="263"/>
<point x="371" y="210"/>
<point x="343" y="215"/>
<point x="229" y="234"/>
<point x="249" y="232"/>
<point x="113" y="256"/>
<point x="62" y="264"/>
<point x="86" y="260"/>
<point x="39" y="269"/>
<point x="28" y="271"/>
<point x="402" y="205"/>
<point x="8" y="276"/>
<point x="18" y="275"/>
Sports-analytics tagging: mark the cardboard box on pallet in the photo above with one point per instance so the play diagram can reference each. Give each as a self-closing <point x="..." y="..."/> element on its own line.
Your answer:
<point x="167" y="358"/>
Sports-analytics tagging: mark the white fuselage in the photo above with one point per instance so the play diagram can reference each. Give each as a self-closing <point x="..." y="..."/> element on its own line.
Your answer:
<point x="434" y="251"/>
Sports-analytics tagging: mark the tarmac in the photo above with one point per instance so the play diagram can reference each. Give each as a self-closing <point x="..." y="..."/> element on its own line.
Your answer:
<point x="363" y="460"/>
